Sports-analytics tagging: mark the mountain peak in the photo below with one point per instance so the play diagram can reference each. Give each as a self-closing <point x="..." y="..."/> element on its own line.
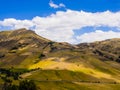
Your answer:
<point x="22" y="31"/>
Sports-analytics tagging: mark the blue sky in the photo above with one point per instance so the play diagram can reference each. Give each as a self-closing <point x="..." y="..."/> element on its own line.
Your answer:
<point x="37" y="14"/>
<point x="27" y="9"/>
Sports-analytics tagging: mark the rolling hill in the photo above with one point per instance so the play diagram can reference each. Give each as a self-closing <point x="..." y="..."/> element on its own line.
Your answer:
<point x="60" y="65"/>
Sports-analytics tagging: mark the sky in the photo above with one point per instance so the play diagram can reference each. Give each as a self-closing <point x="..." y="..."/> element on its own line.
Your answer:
<point x="73" y="21"/>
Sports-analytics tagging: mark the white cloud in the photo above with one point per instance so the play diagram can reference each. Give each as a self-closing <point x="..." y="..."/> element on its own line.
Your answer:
<point x="61" y="25"/>
<point x="98" y="35"/>
<point x="62" y="5"/>
<point x="53" y="5"/>
<point x="16" y="24"/>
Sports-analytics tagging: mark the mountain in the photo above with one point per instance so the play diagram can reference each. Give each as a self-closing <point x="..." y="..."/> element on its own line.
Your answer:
<point x="86" y="66"/>
<point x="24" y="45"/>
<point x="106" y="50"/>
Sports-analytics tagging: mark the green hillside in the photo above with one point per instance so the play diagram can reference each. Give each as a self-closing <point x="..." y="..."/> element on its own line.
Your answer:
<point x="58" y="66"/>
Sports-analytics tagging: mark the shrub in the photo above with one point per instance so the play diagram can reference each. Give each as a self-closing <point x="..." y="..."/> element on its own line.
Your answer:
<point x="27" y="85"/>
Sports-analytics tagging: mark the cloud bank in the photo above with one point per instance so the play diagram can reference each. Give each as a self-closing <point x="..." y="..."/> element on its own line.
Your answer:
<point x="98" y="35"/>
<point x="62" y="25"/>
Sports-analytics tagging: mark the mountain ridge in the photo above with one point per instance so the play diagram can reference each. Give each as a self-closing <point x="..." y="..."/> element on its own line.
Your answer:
<point x="49" y="61"/>
<point x="11" y="41"/>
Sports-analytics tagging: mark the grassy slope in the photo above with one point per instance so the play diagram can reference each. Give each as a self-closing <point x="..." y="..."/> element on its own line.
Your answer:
<point x="78" y="67"/>
<point x="70" y="65"/>
<point x="61" y="64"/>
<point x="50" y="79"/>
<point x="74" y="86"/>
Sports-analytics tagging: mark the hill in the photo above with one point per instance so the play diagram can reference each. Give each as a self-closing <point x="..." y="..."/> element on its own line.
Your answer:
<point x="23" y="47"/>
<point x="86" y="66"/>
<point x="106" y="50"/>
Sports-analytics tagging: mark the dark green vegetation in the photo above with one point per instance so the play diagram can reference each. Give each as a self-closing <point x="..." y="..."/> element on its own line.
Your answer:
<point x="29" y="61"/>
<point x="23" y="85"/>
